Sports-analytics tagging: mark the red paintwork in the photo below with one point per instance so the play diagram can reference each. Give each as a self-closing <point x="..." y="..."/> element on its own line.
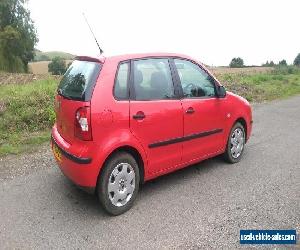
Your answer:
<point x="113" y="127"/>
<point x="163" y="121"/>
<point x="208" y="116"/>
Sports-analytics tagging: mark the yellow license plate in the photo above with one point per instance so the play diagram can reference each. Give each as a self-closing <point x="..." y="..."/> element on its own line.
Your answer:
<point x="56" y="152"/>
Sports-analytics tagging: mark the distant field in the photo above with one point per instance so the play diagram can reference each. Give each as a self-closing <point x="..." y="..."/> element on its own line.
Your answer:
<point x="247" y="70"/>
<point x="41" y="67"/>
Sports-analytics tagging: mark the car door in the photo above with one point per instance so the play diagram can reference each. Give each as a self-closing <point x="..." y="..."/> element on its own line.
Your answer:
<point x="156" y="117"/>
<point x="202" y="110"/>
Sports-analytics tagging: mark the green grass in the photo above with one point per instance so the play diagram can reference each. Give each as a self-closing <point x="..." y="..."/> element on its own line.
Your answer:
<point x="26" y="110"/>
<point x="26" y="115"/>
<point x="280" y="83"/>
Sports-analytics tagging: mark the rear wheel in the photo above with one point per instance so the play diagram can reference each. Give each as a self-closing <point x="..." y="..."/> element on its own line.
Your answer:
<point x="119" y="183"/>
<point x="235" y="144"/>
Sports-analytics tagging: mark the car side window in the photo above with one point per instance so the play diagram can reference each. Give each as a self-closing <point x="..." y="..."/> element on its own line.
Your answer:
<point x="195" y="81"/>
<point x="152" y="79"/>
<point x="121" y="82"/>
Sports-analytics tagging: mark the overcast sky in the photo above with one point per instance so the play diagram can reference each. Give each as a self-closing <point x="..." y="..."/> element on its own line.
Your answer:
<point x="213" y="31"/>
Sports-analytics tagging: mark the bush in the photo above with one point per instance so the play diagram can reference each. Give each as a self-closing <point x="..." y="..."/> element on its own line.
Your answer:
<point x="270" y="64"/>
<point x="236" y="63"/>
<point x="282" y="63"/>
<point x="57" y="66"/>
<point x="297" y="60"/>
<point x="285" y="70"/>
<point x="44" y="58"/>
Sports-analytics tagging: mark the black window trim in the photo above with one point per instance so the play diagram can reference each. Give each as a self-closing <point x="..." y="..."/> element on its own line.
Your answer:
<point x="178" y="82"/>
<point x="132" y="95"/>
<point x="128" y="80"/>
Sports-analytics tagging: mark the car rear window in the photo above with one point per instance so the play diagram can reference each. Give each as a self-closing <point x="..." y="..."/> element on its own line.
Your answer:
<point x="79" y="80"/>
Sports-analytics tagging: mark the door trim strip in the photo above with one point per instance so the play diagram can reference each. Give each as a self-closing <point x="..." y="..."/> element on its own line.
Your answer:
<point x="184" y="138"/>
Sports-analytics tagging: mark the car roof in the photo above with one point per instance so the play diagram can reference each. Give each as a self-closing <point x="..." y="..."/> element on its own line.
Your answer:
<point x="143" y="55"/>
<point x="125" y="57"/>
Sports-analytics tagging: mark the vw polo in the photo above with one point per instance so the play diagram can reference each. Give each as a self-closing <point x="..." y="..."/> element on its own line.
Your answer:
<point x="123" y="120"/>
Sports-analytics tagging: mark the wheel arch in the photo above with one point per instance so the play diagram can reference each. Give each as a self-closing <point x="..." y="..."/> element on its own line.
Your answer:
<point x="244" y="123"/>
<point x="135" y="154"/>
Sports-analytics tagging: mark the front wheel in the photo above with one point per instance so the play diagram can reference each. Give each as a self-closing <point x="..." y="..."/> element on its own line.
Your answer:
<point x="235" y="144"/>
<point x="119" y="183"/>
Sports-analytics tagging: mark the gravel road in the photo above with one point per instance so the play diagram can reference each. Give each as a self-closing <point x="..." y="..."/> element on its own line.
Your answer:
<point x="202" y="206"/>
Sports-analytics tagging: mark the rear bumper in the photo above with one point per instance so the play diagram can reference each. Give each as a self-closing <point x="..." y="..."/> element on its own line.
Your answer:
<point x="79" y="160"/>
<point x="81" y="169"/>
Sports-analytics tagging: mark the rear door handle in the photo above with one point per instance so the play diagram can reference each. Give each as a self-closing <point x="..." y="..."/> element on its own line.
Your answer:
<point x="190" y="110"/>
<point x="139" y="116"/>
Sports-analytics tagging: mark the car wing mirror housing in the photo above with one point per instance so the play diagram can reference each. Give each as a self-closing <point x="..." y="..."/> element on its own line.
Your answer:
<point x="221" y="91"/>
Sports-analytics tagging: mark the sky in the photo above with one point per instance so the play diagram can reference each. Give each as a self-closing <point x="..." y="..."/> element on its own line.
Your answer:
<point x="212" y="31"/>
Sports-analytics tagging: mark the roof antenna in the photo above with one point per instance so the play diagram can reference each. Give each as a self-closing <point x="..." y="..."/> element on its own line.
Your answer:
<point x="101" y="51"/>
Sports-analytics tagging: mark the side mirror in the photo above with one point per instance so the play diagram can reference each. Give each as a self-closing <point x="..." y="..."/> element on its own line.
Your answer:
<point x="221" y="91"/>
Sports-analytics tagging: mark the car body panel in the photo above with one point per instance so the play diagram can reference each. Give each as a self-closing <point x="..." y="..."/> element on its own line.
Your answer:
<point x="208" y="117"/>
<point x="65" y="110"/>
<point x="162" y="122"/>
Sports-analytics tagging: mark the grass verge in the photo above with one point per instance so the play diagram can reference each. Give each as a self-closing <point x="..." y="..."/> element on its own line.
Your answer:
<point x="280" y="83"/>
<point x="26" y="115"/>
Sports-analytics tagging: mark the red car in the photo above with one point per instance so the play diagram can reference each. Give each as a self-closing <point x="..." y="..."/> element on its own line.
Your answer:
<point x="123" y="120"/>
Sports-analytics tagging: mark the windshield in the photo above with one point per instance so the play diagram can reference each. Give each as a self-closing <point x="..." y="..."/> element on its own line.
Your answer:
<point x="79" y="80"/>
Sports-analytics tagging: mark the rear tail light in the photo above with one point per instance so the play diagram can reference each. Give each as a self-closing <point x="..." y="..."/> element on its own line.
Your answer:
<point x="83" y="129"/>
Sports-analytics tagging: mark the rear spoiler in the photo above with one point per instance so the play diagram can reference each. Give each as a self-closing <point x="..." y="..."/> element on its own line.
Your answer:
<point x="100" y="59"/>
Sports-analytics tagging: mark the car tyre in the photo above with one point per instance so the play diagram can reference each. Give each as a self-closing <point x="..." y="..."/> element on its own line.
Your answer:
<point x="118" y="183"/>
<point x="235" y="144"/>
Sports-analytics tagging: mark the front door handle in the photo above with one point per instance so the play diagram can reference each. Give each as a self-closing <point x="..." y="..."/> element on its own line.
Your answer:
<point x="190" y="110"/>
<point x="139" y="116"/>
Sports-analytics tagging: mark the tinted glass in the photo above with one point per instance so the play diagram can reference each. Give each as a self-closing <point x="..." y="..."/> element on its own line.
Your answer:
<point x="121" y="90"/>
<point x="152" y="79"/>
<point x="79" y="80"/>
<point x="195" y="81"/>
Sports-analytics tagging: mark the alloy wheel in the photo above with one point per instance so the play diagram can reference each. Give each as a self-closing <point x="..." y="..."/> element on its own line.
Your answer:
<point x="121" y="184"/>
<point x="237" y="141"/>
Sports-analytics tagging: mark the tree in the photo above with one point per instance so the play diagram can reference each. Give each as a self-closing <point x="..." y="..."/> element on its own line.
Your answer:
<point x="267" y="64"/>
<point x="236" y="63"/>
<point x="44" y="58"/>
<point x="297" y="60"/>
<point x="282" y="63"/>
<point x="69" y="64"/>
<point x="17" y="36"/>
<point x="271" y="64"/>
<point x="57" y="66"/>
